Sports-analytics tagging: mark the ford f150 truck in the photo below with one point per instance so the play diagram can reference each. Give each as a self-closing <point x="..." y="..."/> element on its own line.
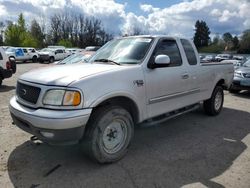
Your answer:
<point x="129" y="81"/>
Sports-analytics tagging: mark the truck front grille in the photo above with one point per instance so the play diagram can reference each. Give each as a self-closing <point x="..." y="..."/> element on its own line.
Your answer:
<point x="246" y="75"/>
<point x="27" y="92"/>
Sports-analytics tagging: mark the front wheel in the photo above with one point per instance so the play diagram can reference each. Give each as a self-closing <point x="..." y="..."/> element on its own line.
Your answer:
<point x="51" y="59"/>
<point x="108" y="134"/>
<point x="214" y="105"/>
<point x="34" y="59"/>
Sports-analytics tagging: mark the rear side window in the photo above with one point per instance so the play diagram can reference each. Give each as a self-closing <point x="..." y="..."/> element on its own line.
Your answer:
<point x="189" y="51"/>
<point x="169" y="48"/>
<point x="25" y="50"/>
<point x="1" y="57"/>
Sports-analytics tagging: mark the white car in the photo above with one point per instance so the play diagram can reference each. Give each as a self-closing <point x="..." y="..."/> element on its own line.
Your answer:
<point x="22" y="54"/>
<point x="128" y="81"/>
<point x="7" y="66"/>
<point x="52" y="54"/>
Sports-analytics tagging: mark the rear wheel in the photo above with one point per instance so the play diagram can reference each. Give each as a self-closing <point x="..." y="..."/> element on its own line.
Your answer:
<point x="109" y="134"/>
<point x="1" y="81"/>
<point x="34" y="59"/>
<point x="214" y="105"/>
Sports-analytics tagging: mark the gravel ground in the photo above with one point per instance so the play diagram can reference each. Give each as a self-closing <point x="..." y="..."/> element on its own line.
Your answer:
<point x="192" y="150"/>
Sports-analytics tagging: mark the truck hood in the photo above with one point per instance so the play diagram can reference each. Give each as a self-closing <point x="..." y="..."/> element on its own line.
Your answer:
<point x="63" y="75"/>
<point x="43" y="53"/>
<point x="243" y="69"/>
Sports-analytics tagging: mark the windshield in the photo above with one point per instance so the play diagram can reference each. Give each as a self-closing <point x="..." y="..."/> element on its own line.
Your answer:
<point x="11" y="50"/>
<point x="76" y="58"/>
<point x="124" y="51"/>
<point x="246" y="64"/>
<point x="46" y="50"/>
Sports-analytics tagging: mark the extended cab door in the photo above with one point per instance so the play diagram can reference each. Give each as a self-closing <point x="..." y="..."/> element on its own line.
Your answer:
<point x="166" y="86"/>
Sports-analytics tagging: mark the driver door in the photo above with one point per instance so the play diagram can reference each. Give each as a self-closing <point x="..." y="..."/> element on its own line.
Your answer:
<point x="166" y="85"/>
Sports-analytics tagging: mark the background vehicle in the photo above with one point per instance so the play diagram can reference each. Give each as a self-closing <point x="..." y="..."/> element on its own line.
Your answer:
<point x="7" y="66"/>
<point x="221" y="57"/>
<point x="22" y="54"/>
<point x="52" y="54"/>
<point x="128" y="81"/>
<point x="92" y="48"/>
<point x="208" y="58"/>
<point x="241" y="80"/>
<point x="81" y="57"/>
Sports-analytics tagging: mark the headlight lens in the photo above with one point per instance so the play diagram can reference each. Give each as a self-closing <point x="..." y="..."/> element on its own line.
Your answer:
<point x="238" y="74"/>
<point x="59" y="97"/>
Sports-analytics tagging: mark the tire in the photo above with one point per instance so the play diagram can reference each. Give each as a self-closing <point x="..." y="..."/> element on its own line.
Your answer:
<point x="51" y="59"/>
<point x="108" y="134"/>
<point x="1" y="81"/>
<point x="34" y="59"/>
<point x="214" y="105"/>
<point x="13" y="66"/>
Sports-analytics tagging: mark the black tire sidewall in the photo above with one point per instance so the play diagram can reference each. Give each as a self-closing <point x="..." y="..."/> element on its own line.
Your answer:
<point x="51" y="59"/>
<point x="34" y="59"/>
<point x="102" y="121"/>
<point x="209" y="105"/>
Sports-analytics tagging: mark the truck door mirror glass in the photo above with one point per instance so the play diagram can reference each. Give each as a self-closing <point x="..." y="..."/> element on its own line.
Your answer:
<point x="162" y="60"/>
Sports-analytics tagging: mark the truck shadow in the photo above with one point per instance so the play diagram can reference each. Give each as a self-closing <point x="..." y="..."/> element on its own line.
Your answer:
<point x="243" y="94"/>
<point x="188" y="149"/>
<point x="4" y="88"/>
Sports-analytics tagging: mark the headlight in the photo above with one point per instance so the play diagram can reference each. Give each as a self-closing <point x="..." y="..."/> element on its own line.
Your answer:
<point x="59" y="97"/>
<point x="237" y="74"/>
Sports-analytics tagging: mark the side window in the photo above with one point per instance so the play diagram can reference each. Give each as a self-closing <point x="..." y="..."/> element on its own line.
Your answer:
<point x="1" y="57"/>
<point x="59" y="51"/>
<point x="170" y="48"/>
<point x="25" y="50"/>
<point x="33" y="50"/>
<point x="189" y="51"/>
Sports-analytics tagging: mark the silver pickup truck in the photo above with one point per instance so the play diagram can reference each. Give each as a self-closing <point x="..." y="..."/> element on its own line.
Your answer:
<point x="131" y="80"/>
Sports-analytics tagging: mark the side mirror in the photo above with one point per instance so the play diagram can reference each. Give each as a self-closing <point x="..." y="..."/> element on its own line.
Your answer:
<point x="162" y="60"/>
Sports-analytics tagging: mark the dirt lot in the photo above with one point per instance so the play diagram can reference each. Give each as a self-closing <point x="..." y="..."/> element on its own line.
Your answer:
<point x="193" y="150"/>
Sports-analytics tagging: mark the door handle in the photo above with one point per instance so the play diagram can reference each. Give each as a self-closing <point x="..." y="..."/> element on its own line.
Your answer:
<point x="185" y="76"/>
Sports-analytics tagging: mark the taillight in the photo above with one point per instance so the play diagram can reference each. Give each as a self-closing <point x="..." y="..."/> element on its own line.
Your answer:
<point x="8" y="65"/>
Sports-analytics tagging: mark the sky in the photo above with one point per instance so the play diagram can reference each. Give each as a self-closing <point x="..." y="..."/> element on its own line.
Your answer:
<point x="170" y="17"/>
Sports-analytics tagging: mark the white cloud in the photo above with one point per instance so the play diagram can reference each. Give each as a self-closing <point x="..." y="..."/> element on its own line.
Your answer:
<point x="179" y="19"/>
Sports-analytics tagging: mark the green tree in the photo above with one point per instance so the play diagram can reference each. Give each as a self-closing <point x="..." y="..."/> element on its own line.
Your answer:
<point x="36" y="33"/>
<point x="65" y="42"/>
<point x="228" y="39"/>
<point x="245" y="42"/>
<point x="1" y="33"/>
<point x="236" y="43"/>
<point x="202" y="32"/>
<point x="16" y="33"/>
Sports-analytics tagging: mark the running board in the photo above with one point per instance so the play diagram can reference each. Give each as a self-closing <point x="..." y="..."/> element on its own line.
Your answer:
<point x="169" y="115"/>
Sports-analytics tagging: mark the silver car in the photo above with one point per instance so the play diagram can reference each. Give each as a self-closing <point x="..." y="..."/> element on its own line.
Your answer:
<point x="241" y="80"/>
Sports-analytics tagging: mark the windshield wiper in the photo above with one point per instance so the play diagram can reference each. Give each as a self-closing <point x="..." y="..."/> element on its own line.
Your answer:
<point x="107" y="61"/>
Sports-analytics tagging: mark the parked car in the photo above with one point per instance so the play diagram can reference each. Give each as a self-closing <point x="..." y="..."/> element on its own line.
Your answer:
<point x="128" y="81"/>
<point x="52" y="54"/>
<point x="208" y="58"/>
<point x="7" y="66"/>
<point x="236" y="63"/>
<point x="221" y="57"/>
<point x="241" y="80"/>
<point x="238" y="57"/>
<point x="92" y="48"/>
<point x="22" y="54"/>
<point x="82" y="57"/>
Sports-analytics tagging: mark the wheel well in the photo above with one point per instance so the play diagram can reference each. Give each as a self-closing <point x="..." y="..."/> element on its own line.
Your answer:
<point x="125" y="102"/>
<point x="221" y="83"/>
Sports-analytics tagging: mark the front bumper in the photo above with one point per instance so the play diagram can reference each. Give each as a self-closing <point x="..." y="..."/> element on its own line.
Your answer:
<point x="237" y="84"/>
<point x="6" y="73"/>
<point x="51" y="126"/>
